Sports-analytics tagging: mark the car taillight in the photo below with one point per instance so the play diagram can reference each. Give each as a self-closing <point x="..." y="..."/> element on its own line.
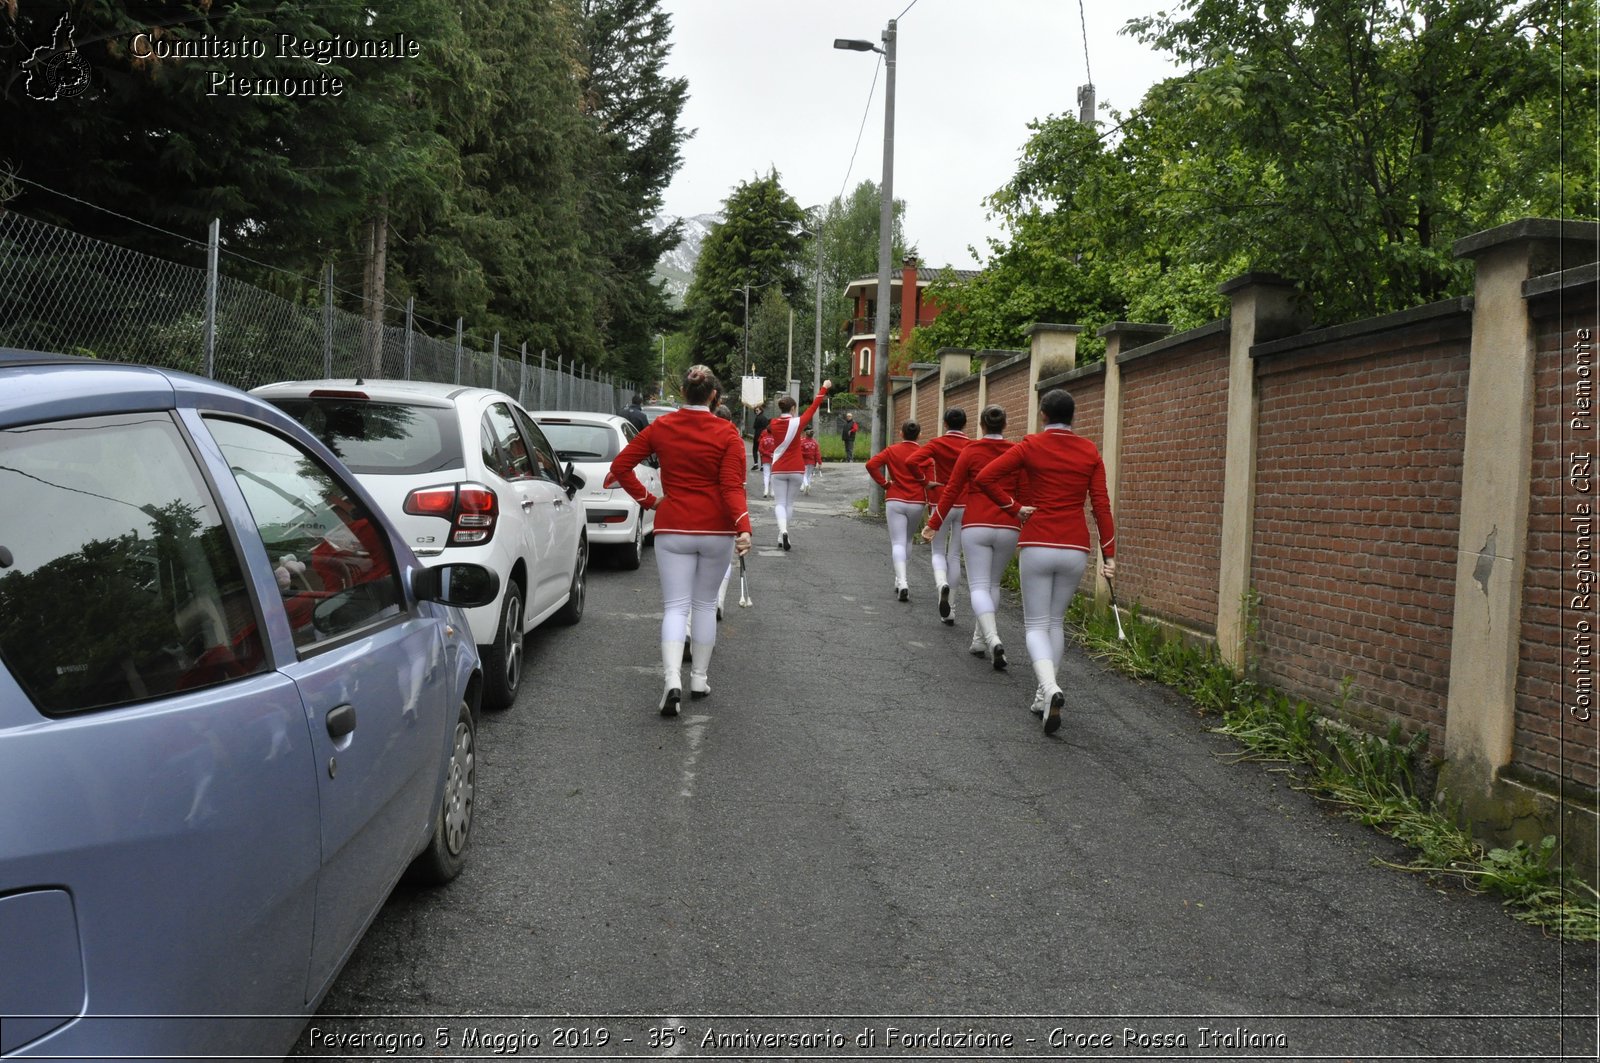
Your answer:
<point x="471" y="510"/>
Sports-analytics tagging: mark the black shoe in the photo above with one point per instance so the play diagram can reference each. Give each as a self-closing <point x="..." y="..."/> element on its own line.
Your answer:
<point x="944" y="602"/>
<point x="670" y="701"/>
<point x="905" y="594"/>
<point x="786" y="545"/>
<point x="1052" y="718"/>
<point x="999" y="657"/>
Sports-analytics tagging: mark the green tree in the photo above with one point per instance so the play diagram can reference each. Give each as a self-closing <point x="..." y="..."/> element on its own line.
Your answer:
<point x="755" y="246"/>
<point x="849" y="227"/>
<point x="1374" y="133"/>
<point x="635" y="110"/>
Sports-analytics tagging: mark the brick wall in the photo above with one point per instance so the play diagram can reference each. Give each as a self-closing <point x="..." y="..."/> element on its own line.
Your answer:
<point x="965" y="395"/>
<point x="1547" y="739"/>
<point x="1169" y="492"/>
<point x="1357" y="514"/>
<point x="1008" y="387"/>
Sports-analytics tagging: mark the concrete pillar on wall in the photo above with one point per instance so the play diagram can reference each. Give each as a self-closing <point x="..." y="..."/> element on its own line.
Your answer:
<point x="1049" y="343"/>
<point x="955" y="363"/>
<point x="1495" y="476"/>
<point x="1264" y="308"/>
<point x="990" y="359"/>
<point x="1120" y="336"/>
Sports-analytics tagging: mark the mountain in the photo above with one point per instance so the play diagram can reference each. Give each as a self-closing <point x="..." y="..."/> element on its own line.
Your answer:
<point x="676" y="267"/>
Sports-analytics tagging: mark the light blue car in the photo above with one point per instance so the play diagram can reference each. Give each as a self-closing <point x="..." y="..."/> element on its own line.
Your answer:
<point x="234" y="710"/>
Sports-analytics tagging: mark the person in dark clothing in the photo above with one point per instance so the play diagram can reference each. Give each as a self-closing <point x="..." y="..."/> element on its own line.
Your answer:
<point x="761" y="422"/>
<point x="848" y="431"/>
<point x="634" y="414"/>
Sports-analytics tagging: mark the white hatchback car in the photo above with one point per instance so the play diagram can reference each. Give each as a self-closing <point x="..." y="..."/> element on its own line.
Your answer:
<point x="465" y="475"/>
<point x="589" y="441"/>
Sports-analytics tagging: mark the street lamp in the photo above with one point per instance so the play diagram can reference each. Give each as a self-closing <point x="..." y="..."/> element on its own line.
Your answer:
<point x="880" y="360"/>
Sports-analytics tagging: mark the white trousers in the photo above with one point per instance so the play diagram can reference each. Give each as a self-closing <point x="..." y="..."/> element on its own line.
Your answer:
<point x="1050" y="577"/>
<point x="988" y="552"/>
<point x="785" y="489"/>
<point x="691" y="568"/>
<point x="901" y="517"/>
<point x="947" y="549"/>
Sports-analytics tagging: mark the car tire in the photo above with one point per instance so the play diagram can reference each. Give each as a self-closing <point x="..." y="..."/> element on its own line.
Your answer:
<point x="503" y="661"/>
<point x="631" y="555"/>
<point x="572" y="612"/>
<point x="446" y="853"/>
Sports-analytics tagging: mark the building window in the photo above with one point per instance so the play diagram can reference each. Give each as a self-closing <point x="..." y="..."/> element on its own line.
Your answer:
<point x="866" y="362"/>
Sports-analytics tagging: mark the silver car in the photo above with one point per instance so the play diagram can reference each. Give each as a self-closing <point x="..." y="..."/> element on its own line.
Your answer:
<point x="234" y="709"/>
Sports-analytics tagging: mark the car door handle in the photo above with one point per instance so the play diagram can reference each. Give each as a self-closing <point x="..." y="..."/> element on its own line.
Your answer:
<point x="341" y="721"/>
<point x="527" y="503"/>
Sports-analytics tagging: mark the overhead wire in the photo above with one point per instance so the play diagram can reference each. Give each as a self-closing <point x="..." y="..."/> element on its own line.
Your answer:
<point x="1083" y="22"/>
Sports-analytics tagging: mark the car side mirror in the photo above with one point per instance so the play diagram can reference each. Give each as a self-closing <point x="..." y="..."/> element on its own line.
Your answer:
<point x="462" y="584"/>
<point x="575" y="482"/>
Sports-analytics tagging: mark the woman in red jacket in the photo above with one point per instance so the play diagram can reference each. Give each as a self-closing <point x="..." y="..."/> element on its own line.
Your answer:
<point x="988" y="533"/>
<point x="702" y="520"/>
<point x="1062" y="469"/>
<point x="896" y="470"/>
<point x="938" y="460"/>
<point x="788" y="461"/>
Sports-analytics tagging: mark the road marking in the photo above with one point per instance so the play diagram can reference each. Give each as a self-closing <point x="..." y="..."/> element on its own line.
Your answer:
<point x="695" y="730"/>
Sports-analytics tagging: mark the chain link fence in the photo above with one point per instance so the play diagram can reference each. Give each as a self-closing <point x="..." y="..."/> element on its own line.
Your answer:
<point x="64" y="292"/>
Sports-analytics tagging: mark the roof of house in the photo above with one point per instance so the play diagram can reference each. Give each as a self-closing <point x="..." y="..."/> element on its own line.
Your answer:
<point x="925" y="275"/>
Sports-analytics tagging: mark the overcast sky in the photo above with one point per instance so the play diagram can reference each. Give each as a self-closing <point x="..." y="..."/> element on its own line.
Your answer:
<point x="767" y="89"/>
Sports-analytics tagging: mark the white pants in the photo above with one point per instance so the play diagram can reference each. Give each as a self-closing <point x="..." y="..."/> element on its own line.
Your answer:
<point x="947" y="549"/>
<point x="988" y="552"/>
<point x="785" y="489"/>
<point x="1050" y="578"/>
<point x="691" y="569"/>
<point x="901" y="516"/>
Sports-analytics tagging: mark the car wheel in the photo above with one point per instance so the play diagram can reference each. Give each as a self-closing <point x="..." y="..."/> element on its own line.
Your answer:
<point x="502" y="662"/>
<point x="446" y="853"/>
<point x="572" y="612"/>
<point x="631" y="555"/>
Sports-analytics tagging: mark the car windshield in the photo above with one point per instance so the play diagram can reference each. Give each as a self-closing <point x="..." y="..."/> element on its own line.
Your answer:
<point x="381" y="437"/>
<point x="582" y="442"/>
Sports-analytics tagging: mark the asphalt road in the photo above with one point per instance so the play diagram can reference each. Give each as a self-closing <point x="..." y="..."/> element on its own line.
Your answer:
<point x="862" y="845"/>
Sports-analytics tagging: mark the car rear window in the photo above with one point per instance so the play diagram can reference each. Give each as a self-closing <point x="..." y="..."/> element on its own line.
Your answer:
<point x="118" y="581"/>
<point x="381" y="437"/>
<point x="582" y="442"/>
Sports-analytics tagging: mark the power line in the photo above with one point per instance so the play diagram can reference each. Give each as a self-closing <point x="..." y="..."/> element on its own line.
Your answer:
<point x="872" y="91"/>
<point x="1084" y="23"/>
<point x="910" y="6"/>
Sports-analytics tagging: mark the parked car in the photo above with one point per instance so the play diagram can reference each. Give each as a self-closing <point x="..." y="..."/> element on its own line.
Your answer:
<point x="234" y="709"/>
<point x="467" y="476"/>
<point x="589" y="441"/>
<point x="652" y="412"/>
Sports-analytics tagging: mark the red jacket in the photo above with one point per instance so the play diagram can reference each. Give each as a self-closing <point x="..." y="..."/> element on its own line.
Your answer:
<point x="702" y="473"/>
<point x="904" y="481"/>
<point x="810" y="450"/>
<point x="980" y="510"/>
<point x="766" y="445"/>
<point x="1062" y="468"/>
<point x="938" y="459"/>
<point x="786" y="427"/>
